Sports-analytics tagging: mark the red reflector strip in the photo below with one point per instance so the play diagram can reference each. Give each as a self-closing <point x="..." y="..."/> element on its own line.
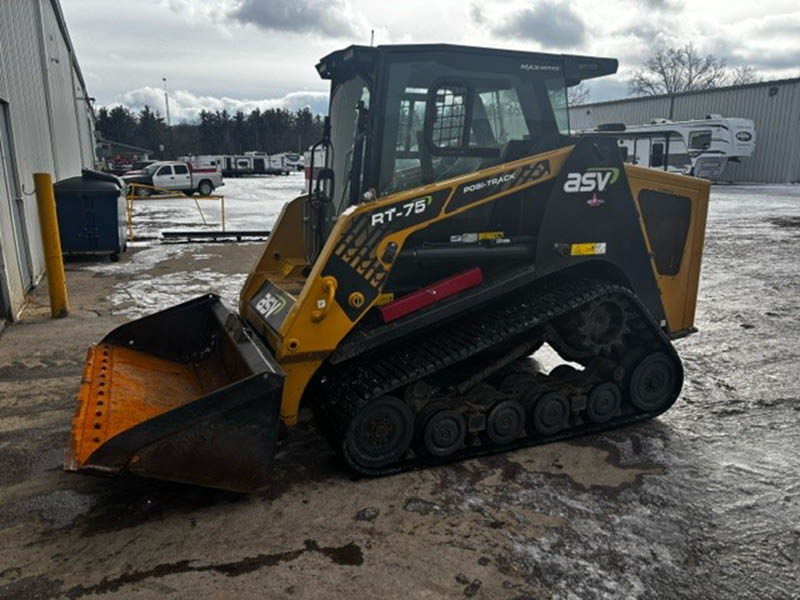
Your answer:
<point x="434" y="293"/>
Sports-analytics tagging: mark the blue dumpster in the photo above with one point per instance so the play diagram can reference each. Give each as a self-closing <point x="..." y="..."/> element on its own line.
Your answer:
<point x="91" y="214"/>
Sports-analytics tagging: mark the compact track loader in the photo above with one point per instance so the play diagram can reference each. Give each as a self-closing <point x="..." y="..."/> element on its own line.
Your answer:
<point x="453" y="228"/>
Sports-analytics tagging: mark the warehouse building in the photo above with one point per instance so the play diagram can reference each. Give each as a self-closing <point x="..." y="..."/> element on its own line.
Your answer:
<point x="774" y="106"/>
<point x="46" y="125"/>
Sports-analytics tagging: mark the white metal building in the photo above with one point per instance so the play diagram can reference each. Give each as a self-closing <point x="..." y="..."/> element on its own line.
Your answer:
<point x="46" y="125"/>
<point x="774" y="106"/>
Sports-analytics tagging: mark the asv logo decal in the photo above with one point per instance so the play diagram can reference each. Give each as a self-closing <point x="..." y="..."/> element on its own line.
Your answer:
<point x="270" y="305"/>
<point x="596" y="179"/>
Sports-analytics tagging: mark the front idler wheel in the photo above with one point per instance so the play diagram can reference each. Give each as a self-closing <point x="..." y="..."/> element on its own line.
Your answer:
<point x="653" y="383"/>
<point x="380" y="433"/>
<point x="550" y="414"/>
<point x="506" y="422"/>
<point x="444" y="433"/>
<point x="603" y="403"/>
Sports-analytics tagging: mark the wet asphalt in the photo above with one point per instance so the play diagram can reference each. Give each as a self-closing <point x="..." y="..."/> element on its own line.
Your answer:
<point x="703" y="502"/>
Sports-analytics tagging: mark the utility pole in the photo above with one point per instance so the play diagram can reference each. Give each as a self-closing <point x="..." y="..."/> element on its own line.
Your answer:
<point x="371" y="37"/>
<point x="166" y="99"/>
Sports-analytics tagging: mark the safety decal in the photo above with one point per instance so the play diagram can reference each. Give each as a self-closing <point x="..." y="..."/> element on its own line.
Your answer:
<point x="588" y="249"/>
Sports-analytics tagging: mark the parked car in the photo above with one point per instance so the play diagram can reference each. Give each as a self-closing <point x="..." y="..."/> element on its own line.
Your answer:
<point x="175" y="176"/>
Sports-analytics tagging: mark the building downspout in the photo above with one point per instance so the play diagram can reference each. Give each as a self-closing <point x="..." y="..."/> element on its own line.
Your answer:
<point x="48" y="100"/>
<point x="75" y="106"/>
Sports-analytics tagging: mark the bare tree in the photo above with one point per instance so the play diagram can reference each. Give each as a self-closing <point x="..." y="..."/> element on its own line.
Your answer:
<point x="674" y="70"/>
<point x="744" y="74"/>
<point x="578" y="94"/>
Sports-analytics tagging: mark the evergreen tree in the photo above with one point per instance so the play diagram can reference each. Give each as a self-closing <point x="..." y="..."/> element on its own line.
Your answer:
<point x="117" y="124"/>
<point x="273" y="130"/>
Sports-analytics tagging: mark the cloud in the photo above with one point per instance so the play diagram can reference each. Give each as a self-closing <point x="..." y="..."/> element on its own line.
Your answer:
<point x="201" y="11"/>
<point x="186" y="106"/>
<point x="674" y="5"/>
<point x="646" y="32"/>
<point x="476" y="13"/>
<point x="328" y="18"/>
<point x="552" y="24"/>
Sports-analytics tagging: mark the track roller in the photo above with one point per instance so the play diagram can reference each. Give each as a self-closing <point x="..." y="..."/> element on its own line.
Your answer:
<point x="604" y="402"/>
<point x="550" y="413"/>
<point x="506" y="422"/>
<point x="444" y="433"/>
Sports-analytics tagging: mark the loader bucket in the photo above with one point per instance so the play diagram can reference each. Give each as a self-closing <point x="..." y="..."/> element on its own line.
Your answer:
<point x="188" y="394"/>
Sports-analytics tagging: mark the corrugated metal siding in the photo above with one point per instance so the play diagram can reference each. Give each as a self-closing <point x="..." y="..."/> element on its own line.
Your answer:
<point x="776" y="158"/>
<point x="66" y="135"/>
<point x="22" y="86"/>
<point x="85" y="124"/>
<point x="641" y="111"/>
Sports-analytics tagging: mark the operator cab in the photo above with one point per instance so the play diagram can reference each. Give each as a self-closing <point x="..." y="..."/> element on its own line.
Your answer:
<point x="405" y="116"/>
<point x="434" y="111"/>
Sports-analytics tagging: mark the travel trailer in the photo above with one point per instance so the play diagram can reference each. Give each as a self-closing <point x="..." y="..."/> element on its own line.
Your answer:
<point x="247" y="164"/>
<point x="700" y="147"/>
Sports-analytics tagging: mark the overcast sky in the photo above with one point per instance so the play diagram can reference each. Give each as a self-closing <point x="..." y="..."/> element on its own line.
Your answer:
<point x="239" y="54"/>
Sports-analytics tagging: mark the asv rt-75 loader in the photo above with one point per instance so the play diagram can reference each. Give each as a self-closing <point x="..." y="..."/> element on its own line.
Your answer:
<point x="454" y="228"/>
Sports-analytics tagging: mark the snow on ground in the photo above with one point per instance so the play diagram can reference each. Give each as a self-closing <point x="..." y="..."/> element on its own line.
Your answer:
<point x="255" y="203"/>
<point x="252" y="204"/>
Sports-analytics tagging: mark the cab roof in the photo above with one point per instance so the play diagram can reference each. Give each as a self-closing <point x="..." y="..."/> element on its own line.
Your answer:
<point x="576" y="68"/>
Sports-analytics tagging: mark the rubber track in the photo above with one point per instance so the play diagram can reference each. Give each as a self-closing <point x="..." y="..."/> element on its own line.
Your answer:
<point x="349" y="386"/>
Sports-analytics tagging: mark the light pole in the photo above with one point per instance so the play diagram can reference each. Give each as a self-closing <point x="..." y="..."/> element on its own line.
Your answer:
<point x="166" y="99"/>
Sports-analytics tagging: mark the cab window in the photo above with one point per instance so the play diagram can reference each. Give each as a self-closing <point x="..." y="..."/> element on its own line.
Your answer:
<point x="442" y="121"/>
<point x="165" y="170"/>
<point x="181" y="170"/>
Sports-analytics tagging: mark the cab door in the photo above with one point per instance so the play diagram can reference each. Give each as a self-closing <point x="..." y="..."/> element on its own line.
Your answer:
<point x="164" y="178"/>
<point x="183" y="178"/>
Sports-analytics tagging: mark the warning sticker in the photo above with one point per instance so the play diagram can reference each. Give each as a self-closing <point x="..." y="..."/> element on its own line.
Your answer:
<point x="588" y="249"/>
<point x="384" y="298"/>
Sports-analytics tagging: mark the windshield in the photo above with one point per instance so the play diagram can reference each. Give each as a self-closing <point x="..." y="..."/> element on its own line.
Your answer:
<point x="150" y="169"/>
<point x="483" y="111"/>
<point x="344" y="120"/>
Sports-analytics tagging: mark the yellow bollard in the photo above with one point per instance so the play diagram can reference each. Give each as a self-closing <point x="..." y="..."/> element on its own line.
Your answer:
<point x="51" y="242"/>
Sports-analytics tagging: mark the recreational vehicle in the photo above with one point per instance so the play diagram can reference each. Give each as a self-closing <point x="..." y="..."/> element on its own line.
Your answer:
<point x="700" y="147"/>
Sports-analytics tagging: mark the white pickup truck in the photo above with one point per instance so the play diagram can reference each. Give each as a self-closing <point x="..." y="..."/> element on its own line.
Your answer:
<point x="175" y="176"/>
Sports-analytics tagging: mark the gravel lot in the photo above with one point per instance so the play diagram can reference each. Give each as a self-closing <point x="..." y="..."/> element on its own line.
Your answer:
<point x="701" y="503"/>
